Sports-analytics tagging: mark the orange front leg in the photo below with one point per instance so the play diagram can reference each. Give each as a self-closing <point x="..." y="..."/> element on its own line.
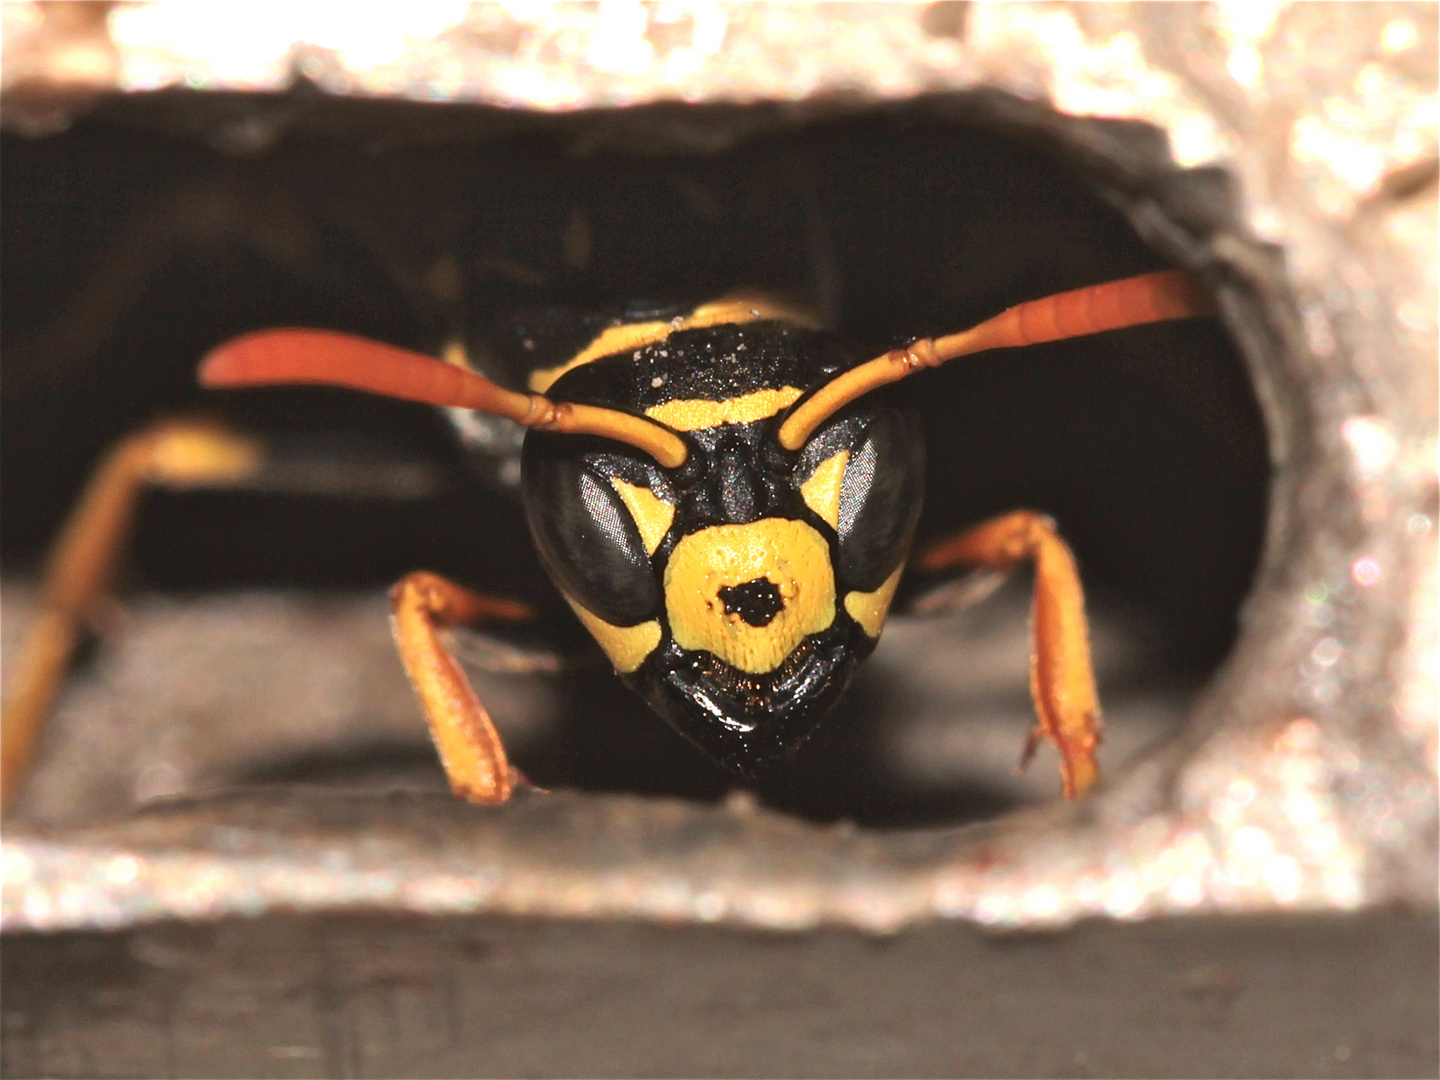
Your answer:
<point x="78" y="573"/>
<point x="1062" y="681"/>
<point x="425" y="605"/>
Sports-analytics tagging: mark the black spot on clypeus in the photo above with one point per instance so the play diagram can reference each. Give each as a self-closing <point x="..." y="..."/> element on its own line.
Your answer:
<point x="757" y="602"/>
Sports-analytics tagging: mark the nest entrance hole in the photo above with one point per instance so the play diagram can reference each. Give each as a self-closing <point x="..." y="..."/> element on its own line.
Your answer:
<point x="142" y="237"/>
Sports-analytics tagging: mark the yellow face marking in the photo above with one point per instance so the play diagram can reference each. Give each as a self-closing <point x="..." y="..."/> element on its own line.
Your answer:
<point x="870" y="608"/>
<point x="652" y="516"/>
<point x="790" y="554"/>
<point x="692" y="413"/>
<point x="626" y="646"/>
<point x="822" y="491"/>
<point x="732" y="309"/>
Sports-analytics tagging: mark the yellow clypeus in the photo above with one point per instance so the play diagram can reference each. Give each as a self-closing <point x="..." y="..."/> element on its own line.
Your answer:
<point x="790" y="554"/>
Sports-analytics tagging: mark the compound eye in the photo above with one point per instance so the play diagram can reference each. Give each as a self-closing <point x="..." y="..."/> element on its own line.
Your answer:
<point x="880" y="499"/>
<point x="867" y="479"/>
<point x="587" y="537"/>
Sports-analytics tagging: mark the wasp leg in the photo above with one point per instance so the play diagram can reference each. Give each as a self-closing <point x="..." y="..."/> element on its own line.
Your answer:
<point x="82" y="563"/>
<point x="1062" y="681"/>
<point x="425" y="605"/>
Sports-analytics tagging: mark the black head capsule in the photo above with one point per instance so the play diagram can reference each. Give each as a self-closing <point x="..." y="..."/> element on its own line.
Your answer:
<point x="738" y="592"/>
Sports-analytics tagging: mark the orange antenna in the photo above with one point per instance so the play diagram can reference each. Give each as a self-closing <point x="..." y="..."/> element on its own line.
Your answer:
<point x="1169" y="294"/>
<point x="328" y="358"/>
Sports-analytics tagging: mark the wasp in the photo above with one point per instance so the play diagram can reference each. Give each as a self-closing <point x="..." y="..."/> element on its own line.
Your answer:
<point x="718" y="492"/>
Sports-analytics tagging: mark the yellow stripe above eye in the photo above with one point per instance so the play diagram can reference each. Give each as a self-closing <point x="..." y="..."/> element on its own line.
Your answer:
<point x="728" y="310"/>
<point x="689" y="414"/>
<point x="652" y="516"/>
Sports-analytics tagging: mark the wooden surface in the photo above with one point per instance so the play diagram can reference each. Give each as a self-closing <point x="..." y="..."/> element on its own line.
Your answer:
<point x="384" y="996"/>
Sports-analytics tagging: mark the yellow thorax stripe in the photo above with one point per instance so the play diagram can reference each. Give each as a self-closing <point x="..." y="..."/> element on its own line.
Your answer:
<point x="454" y="353"/>
<point x="689" y="414"/>
<point x="733" y="309"/>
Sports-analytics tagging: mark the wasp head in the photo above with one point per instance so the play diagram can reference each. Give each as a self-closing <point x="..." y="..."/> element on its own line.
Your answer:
<point x="738" y="592"/>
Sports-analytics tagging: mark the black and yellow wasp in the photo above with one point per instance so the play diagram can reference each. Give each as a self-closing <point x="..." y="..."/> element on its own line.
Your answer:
<point x="711" y="488"/>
